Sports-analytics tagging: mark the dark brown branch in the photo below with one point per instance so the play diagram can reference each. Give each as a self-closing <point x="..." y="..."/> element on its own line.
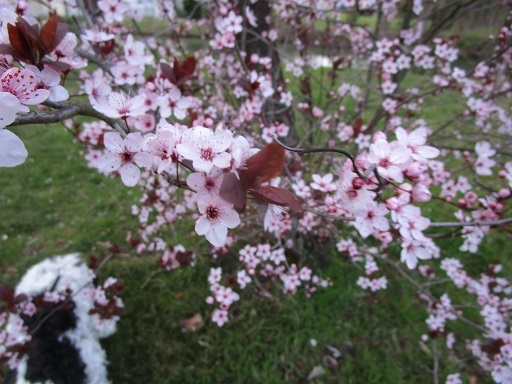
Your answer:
<point x="63" y="112"/>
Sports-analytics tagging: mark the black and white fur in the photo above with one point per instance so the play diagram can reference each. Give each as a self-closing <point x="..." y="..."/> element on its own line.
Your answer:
<point x="65" y="347"/>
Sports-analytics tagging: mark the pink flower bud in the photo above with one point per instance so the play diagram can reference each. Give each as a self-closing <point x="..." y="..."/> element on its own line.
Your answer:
<point x="471" y="197"/>
<point x="379" y="136"/>
<point x="502" y="174"/>
<point x="414" y="171"/>
<point x="420" y="193"/>
<point x="254" y="58"/>
<point x="404" y="188"/>
<point x="209" y="300"/>
<point x="357" y="183"/>
<point x="504" y="193"/>
<point x="392" y="203"/>
<point x="385" y="237"/>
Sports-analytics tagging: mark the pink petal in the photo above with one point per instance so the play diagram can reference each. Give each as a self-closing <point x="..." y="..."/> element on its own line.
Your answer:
<point x="130" y="174"/>
<point x="217" y="235"/>
<point x="230" y="218"/>
<point x="9" y="106"/>
<point x="134" y="142"/>
<point x="12" y="149"/>
<point x="110" y="162"/>
<point x="202" y="226"/>
<point x="113" y="142"/>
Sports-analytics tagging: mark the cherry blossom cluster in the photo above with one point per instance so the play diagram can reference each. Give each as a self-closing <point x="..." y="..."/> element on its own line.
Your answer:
<point x="186" y="126"/>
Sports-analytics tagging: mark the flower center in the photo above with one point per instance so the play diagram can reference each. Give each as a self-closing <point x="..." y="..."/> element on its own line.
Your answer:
<point x="207" y="154"/>
<point x="127" y="157"/>
<point x="212" y="213"/>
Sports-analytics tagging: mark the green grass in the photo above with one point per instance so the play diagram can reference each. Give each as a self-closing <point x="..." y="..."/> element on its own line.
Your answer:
<point x="55" y="204"/>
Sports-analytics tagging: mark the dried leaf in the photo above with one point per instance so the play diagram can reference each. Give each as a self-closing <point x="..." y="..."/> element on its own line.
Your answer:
<point x="192" y="324"/>
<point x="316" y="372"/>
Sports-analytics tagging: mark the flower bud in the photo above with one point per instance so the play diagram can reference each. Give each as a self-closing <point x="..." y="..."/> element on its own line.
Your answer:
<point x="392" y="203"/>
<point x="504" y="193"/>
<point x="379" y="136"/>
<point x="420" y="193"/>
<point x="357" y="183"/>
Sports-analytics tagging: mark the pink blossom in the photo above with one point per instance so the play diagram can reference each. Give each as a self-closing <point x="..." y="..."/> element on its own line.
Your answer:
<point x="415" y="141"/>
<point x="162" y="144"/>
<point x="23" y="85"/>
<point x="374" y="220"/>
<point x="220" y="317"/>
<point x="123" y="155"/>
<point x="217" y="216"/>
<point x="389" y="158"/>
<point x="120" y="106"/>
<point x="172" y="103"/>
<point x="207" y="149"/>
<point x="412" y="250"/>
<point x="50" y="80"/>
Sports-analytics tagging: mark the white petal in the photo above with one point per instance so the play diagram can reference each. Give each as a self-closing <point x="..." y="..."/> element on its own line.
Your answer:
<point x="134" y="142"/>
<point x="202" y="225"/>
<point x="113" y="142"/>
<point x="217" y="235"/>
<point x="9" y="106"/>
<point x="180" y="114"/>
<point x="222" y="160"/>
<point x="230" y="218"/>
<point x="110" y="162"/>
<point x="130" y="174"/>
<point x="144" y="160"/>
<point x="12" y="149"/>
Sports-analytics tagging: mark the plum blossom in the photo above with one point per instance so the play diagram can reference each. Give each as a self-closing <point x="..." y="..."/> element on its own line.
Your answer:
<point x="415" y="141"/>
<point x="352" y="193"/>
<point x="206" y="183"/>
<point x="162" y="145"/>
<point x="220" y="317"/>
<point x="217" y="216"/>
<point x="50" y="80"/>
<point x="412" y="250"/>
<point x="123" y="154"/>
<point x="207" y="149"/>
<point x="374" y="220"/>
<point x="172" y="103"/>
<point x="22" y="84"/>
<point x="323" y="184"/>
<point x="389" y="158"/>
<point x="120" y="106"/>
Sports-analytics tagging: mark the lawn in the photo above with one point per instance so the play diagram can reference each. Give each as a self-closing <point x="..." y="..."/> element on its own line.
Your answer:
<point x="54" y="204"/>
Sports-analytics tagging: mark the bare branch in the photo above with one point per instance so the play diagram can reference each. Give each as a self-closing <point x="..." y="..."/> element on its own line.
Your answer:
<point x="65" y="111"/>
<point x="473" y="223"/>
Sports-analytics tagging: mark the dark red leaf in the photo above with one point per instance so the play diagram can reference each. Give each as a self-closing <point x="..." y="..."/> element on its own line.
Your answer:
<point x="233" y="191"/>
<point x="358" y="124"/>
<point x="263" y="166"/>
<point x="168" y="71"/>
<point x="277" y="196"/>
<point x="62" y="30"/>
<point x="6" y="293"/>
<point x="47" y="34"/>
<point x="186" y="68"/>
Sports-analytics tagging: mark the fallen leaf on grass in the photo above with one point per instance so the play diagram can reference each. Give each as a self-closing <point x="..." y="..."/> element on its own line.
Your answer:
<point x="316" y="372"/>
<point x="192" y="324"/>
